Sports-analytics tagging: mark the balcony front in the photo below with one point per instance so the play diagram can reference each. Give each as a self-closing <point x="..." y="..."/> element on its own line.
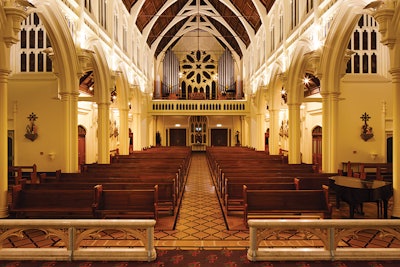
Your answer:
<point x="198" y="107"/>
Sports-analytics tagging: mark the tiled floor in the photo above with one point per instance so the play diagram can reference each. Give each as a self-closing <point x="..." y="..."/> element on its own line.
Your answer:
<point x="200" y="222"/>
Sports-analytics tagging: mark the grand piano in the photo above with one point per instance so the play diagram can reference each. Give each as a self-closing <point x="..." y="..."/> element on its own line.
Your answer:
<point x="355" y="192"/>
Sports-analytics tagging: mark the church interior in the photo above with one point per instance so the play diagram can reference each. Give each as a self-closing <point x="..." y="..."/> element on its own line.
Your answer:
<point x="186" y="96"/>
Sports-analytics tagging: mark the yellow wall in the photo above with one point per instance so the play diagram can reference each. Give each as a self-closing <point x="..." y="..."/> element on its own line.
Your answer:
<point x="37" y="95"/>
<point x="363" y="94"/>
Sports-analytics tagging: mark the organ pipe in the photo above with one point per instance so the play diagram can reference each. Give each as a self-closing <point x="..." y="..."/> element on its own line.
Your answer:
<point x="170" y="73"/>
<point x="226" y="72"/>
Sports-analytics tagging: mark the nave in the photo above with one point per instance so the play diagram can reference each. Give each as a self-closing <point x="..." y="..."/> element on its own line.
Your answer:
<point x="200" y="223"/>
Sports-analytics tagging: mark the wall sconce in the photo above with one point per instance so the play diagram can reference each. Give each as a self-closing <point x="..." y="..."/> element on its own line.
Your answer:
<point x="284" y="94"/>
<point x="373" y="155"/>
<point x="52" y="155"/>
<point x="114" y="94"/>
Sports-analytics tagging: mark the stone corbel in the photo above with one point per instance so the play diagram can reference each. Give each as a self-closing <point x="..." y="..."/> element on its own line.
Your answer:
<point x="347" y="56"/>
<point x="15" y="15"/>
<point x="384" y="19"/>
<point x="313" y="61"/>
<point x="85" y="57"/>
<point x="384" y="16"/>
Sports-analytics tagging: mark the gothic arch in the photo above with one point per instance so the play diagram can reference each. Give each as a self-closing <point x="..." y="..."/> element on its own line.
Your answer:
<point x="333" y="56"/>
<point x="63" y="46"/>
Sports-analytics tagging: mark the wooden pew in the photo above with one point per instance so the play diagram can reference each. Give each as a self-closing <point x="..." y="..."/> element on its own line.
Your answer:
<point x="281" y="203"/>
<point x="167" y="200"/>
<point x="17" y="173"/>
<point x="308" y="183"/>
<point x="170" y="189"/>
<point x="140" y="203"/>
<point x="233" y="200"/>
<point x="51" y="203"/>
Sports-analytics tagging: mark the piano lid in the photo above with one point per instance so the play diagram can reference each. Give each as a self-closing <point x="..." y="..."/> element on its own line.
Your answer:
<point x="353" y="182"/>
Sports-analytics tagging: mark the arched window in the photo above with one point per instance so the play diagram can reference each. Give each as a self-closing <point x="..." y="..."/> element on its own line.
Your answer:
<point x="365" y="39"/>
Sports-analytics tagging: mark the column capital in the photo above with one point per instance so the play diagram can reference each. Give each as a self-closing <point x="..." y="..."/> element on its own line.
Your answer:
<point x="65" y="96"/>
<point x="4" y="75"/>
<point x="395" y="72"/>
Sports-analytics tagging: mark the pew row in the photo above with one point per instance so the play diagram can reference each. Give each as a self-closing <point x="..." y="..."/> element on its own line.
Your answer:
<point x="126" y="204"/>
<point x="51" y="203"/>
<point x="167" y="199"/>
<point x="283" y="203"/>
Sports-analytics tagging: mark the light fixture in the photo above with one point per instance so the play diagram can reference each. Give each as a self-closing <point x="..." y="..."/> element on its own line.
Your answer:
<point x="306" y="80"/>
<point x="113" y="94"/>
<point x="177" y="125"/>
<point x="284" y="94"/>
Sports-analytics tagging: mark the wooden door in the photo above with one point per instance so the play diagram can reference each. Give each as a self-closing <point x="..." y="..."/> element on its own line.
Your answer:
<point x="317" y="147"/>
<point x="219" y="137"/>
<point x="177" y="137"/>
<point x="389" y="150"/>
<point x="10" y="148"/>
<point x="81" y="145"/>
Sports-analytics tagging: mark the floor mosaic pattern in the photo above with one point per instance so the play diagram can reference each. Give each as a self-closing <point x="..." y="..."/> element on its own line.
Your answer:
<point x="200" y="222"/>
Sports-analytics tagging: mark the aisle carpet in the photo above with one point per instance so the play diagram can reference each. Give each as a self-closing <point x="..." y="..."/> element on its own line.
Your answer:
<point x="200" y="258"/>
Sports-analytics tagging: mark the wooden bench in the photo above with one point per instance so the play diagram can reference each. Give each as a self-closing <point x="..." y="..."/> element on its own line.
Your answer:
<point x="166" y="195"/>
<point x="17" y="173"/>
<point x="278" y="203"/>
<point x="233" y="200"/>
<point x="51" y="203"/>
<point x="307" y="183"/>
<point x="135" y="203"/>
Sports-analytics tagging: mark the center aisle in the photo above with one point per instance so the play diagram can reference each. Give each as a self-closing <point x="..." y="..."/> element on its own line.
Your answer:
<point x="200" y="223"/>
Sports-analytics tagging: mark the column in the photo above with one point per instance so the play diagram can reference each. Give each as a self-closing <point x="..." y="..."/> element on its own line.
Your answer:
<point x="273" y="132"/>
<point x="137" y="144"/>
<point x="294" y="134"/>
<point x="103" y="133"/>
<point x="3" y="142"/>
<point x="396" y="136"/>
<point x="123" y="132"/>
<point x="330" y="108"/>
<point x="70" y="113"/>
<point x="260" y="130"/>
<point x="10" y="31"/>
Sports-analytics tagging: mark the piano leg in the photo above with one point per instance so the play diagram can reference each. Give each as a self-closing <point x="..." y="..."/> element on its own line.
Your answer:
<point x="352" y="208"/>
<point x="385" y="208"/>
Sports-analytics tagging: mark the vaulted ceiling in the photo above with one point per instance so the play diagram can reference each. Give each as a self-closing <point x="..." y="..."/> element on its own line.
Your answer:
<point x="233" y="23"/>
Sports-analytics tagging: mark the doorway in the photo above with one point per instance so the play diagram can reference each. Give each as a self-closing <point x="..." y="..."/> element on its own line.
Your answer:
<point x="81" y="145"/>
<point x="389" y="150"/>
<point x="317" y="147"/>
<point x="10" y="147"/>
<point x="219" y="137"/>
<point x="177" y="137"/>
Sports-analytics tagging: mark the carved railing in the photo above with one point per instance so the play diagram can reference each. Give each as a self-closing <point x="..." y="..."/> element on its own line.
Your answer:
<point x="196" y="107"/>
<point x="275" y="240"/>
<point x="67" y="240"/>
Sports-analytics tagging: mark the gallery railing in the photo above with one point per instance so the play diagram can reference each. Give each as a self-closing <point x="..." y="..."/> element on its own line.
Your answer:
<point x="66" y="240"/>
<point x="294" y="239"/>
<point x="196" y="107"/>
